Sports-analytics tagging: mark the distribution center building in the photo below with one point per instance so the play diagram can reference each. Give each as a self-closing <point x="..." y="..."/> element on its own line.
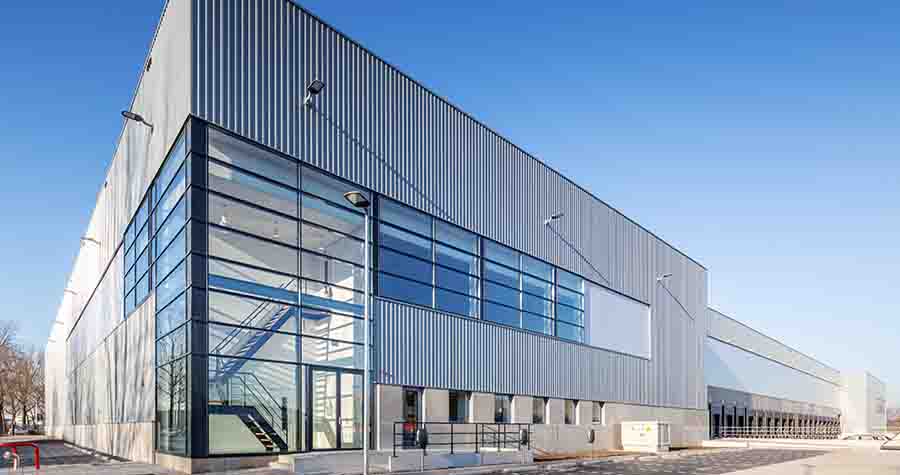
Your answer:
<point x="216" y="308"/>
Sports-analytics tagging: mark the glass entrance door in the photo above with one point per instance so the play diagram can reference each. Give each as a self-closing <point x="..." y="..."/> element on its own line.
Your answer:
<point x="336" y="403"/>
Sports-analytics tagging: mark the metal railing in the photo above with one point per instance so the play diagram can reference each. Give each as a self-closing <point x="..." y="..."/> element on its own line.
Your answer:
<point x="771" y="432"/>
<point x="468" y="436"/>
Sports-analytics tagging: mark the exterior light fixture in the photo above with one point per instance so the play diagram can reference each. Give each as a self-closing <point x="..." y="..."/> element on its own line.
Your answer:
<point x="70" y="291"/>
<point x="553" y="218"/>
<point x="90" y="239"/>
<point x="137" y="118"/>
<point x="664" y="277"/>
<point x="360" y="201"/>
<point x="313" y="89"/>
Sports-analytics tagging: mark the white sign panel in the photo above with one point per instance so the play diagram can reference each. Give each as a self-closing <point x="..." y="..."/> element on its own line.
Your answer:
<point x="617" y="323"/>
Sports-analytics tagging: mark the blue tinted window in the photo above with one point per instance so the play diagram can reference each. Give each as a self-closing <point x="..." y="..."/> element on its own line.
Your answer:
<point x="537" y="323"/>
<point x="461" y="261"/>
<point x="571" y="281"/>
<point x="169" y="288"/>
<point x="405" y="266"/>
<point x="169" y="200"/>
<point x="334" y="217"/>
<point x="455" y="303"/>
<point x="172" y="225"/>
<point x="171" y="316"/>
<point x="404" y="290"/>
<point x="501" y="254"/>
<point x="570" y="332"/>
<point x="537" y="287"/>
<point x="404" y="242"/>
<point x="171" y="256"/>
<point x="503" y="275"/>
<point x="501" y="314"/>
<point x="455" y="236"/>
<point x="456" y="281"/>
<point x="250" y="157"/>
<point x="170" y="167"/>
<point x="569" y="314"/>
<point x="172" y="345"/>
<point x="327" y="187"/>
<point x="233" y="182"/>
<point x="537" y="305"/>
<point x="501" y="294"/>
<point x="537" y="268"/>
<point x="247" y="280"/>
<point x="404" y="217"/>
<point x="570" y="298"/>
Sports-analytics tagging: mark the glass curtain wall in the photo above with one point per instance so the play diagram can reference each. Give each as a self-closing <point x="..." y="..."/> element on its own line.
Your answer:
<point x="425" y="261"/>
<point x="155" y="251"/>
<point x="286" y="281"/>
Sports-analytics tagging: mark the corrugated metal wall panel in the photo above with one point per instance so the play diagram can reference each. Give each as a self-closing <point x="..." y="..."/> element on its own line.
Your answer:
<point x="729" y="330"/>
<point x="377" y="127"/>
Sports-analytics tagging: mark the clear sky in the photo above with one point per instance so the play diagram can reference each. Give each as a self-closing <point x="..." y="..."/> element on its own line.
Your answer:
<point x="761" y="140"/>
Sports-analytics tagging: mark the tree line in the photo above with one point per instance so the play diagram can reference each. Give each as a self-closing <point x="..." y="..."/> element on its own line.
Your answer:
<point x="21" y="381"/>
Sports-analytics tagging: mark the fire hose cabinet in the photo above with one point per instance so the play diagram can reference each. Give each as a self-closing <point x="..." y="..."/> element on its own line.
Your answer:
<point x="652" y="436"/>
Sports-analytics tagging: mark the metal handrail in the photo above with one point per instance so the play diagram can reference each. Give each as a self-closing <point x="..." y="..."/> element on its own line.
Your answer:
<point x="778" y="432"/>
<point x="250" y="316"/>
<point x="15" y="445"/>
<point x="498" y="435"/>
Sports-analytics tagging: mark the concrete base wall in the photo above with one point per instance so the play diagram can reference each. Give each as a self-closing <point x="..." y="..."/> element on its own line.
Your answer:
<point x="132" y="441"/>
<point x="222" y="464"/>
<point x="689" y="428"/>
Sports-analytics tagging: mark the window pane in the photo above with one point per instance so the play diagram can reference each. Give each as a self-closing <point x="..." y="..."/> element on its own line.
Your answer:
<point x="455" y="236"/>
<point x="143" y="212"/>
<point x="404" y="217"/>
<point x="129" y="258"/>
<point x="536" y="323"/>
<point x="252" y="343"/>
<point x="169" y="288"/>
<point x="232" y="214"/>
<point x="268" y="389"/>
<point x="332" y="244"/>
<point x="251" y="157"/>
<point x="168" y="201"/>
<point x="459" y="405"/>
<point x="537" y="287"/>
<point x="246" y="280"/>
<point x="129" y="280"/>
<point x="171" y="256"/>
<point x="455" y="303"/>
<point x="571" y="281"/>
<point x="537" y="268"/>
<point x="129" y="235"/>
<point x="501" y="294"/>
<point x="334" y="217"/>
<point x="327" y="324"/>
<point x="171" y="407"/>
<point x="142" y="290"/>
<point x="569" y="314"/>
<point x="172" y="225"/>
<point x="501" y="254"/>
<point x="171" y="316"/>
<point x="449" y="257"/>
<point x="332" y="271"/>
<point x="250" y="312"/>
<point x="331" y="297"/>
<point x="569" y="332"/>
<point x="172" y="345"/>
<point x="332" y="353"/>
<point x="143" y="238"/>
<point x="538" y="409"/>
<point x="537" y="305"/>
<point x="501" y="274"/>
<point x="129" y="304"/>
<point x="251" y="189"/>
<point x="456" y="281"/>
<point x="570" y="298"/>
<point x="501" y="408"/>
<point x="242" y="248"/>
<point x="142" y="264"/>
<point x="324" y="186"/>
<point x="569" y="417"/>
<point x="500" y="314"/>
<point x="402" y="241"/>
<point x="405" y="266"/>
<point x="170" y="167"/>
<point x="404" y="290"/>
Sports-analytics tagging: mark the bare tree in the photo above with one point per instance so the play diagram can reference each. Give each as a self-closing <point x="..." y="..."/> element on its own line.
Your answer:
<point x="9" y="355"/>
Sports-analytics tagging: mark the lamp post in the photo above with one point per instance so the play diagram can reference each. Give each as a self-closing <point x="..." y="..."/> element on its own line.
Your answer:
<point x="359" y="201"/>
<point x="137" y="118"/>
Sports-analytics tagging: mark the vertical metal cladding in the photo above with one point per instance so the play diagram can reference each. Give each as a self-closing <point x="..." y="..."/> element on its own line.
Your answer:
<point x="377" y="127"/>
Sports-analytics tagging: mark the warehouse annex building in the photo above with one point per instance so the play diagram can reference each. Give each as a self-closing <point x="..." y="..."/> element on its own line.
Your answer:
<point x="216" y="307"/>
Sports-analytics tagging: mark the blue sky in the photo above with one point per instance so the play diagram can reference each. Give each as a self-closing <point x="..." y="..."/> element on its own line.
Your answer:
<point x="761" y="140"/>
